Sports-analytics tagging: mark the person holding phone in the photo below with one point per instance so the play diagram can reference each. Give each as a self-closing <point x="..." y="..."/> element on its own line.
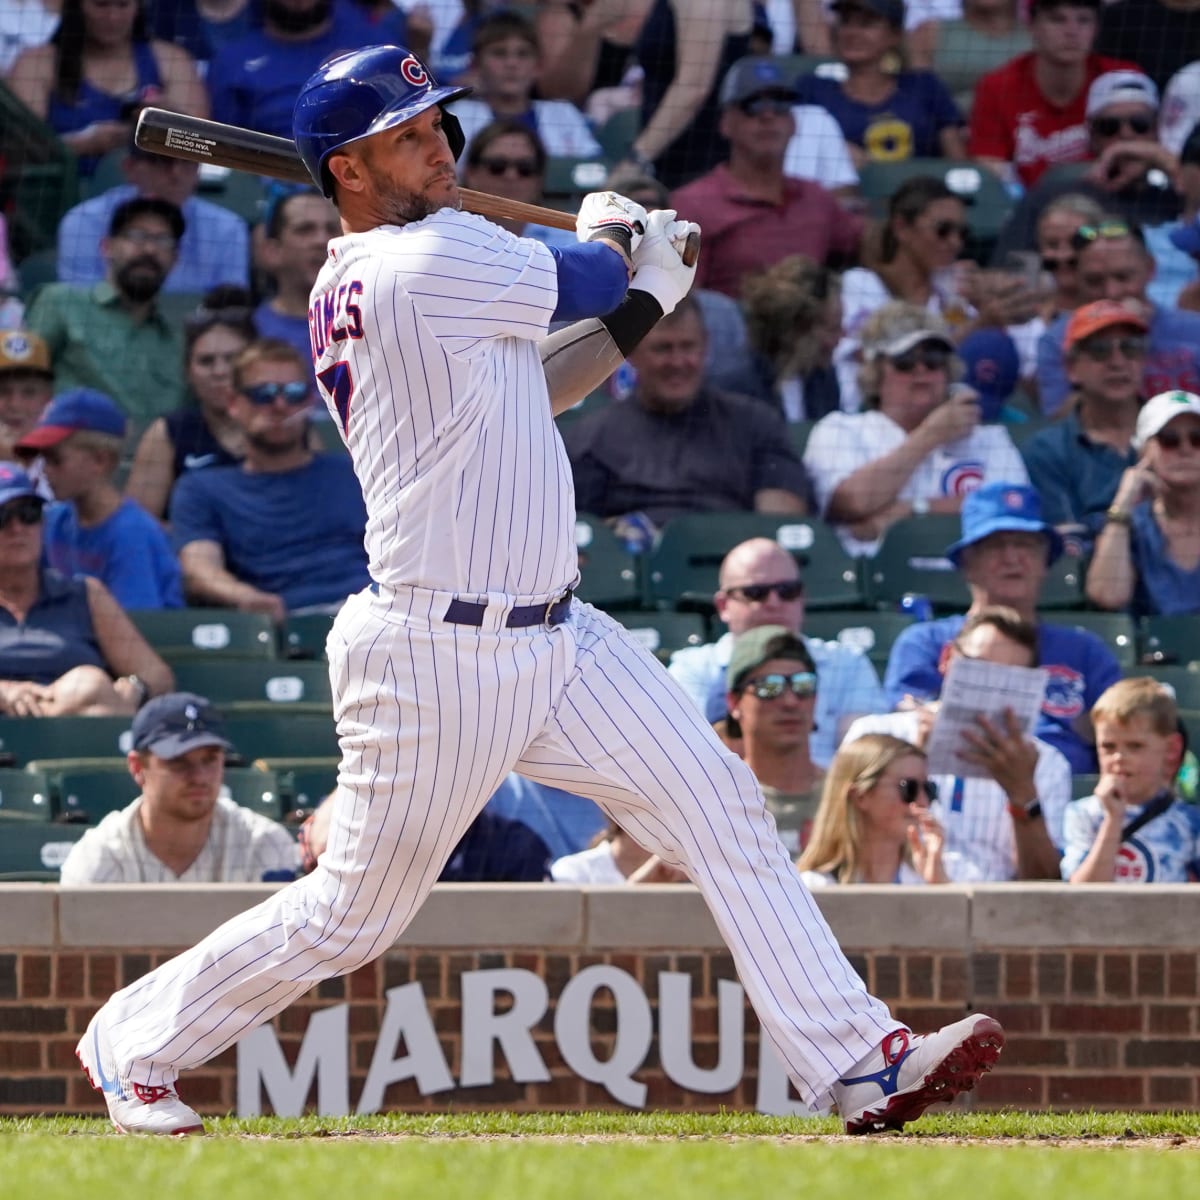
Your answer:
<point x="1147" y="557"/>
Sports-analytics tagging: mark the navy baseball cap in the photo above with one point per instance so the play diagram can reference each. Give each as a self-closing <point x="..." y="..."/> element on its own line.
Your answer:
<point x="993" y="368"/>
<point x="1003" y="508"/>
<point x="174" y="723"/>
<point x="72" y="412"/>
<point x="892" y="11"/>
<point x="753" y="76"/>
<point x="15" y="483"/>
<point x="1187" y="237"/>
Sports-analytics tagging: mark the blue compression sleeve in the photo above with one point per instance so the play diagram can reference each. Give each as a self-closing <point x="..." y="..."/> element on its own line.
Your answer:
<point x="592" y="280"/>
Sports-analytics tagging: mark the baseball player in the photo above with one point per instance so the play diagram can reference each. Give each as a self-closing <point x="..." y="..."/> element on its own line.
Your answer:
<point x="468" y="657"/>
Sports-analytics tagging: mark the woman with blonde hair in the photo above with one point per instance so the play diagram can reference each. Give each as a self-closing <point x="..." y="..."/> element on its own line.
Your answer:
<point x="874" y="824"/>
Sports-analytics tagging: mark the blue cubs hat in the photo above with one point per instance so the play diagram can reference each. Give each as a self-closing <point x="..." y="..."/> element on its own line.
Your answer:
<point x="752" y="77"/>
<point x="15" y="483"/>
<point x="1003" y="508"/>
<point x="993" y="368"/>
<point x="176" y="722"/>
<point x="72" y="412"/>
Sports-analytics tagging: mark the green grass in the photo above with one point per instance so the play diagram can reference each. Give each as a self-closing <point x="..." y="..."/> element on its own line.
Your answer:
<point x="614" y="1156"/>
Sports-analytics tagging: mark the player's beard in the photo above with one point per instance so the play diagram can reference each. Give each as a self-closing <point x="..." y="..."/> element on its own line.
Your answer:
<point x="402" y="205"/>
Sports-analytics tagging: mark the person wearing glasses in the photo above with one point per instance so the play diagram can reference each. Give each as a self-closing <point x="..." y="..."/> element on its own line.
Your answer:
<point x="1004" y="819"/>
<point x="282" y="531"/>
<point x="874" y="823"/>
<point x="917" y="447"/>
<point x="1147" y="557"/>
<point x="760" y="584"/>
<point x="112" y="336"/>
<point x="752" y="213"/>
<point x="1077" y="461"/>
<point x="67" y="648"/>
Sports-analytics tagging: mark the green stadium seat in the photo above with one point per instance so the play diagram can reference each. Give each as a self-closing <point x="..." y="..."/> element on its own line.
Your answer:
<point x="1116" y="630"/>
<point x="26" y="739"/>
<point x="182" y="633"/>
<point x="1062" y="589"/>
<point x="1183" y="681"/>
<point x="35" y="850"/>
<point x="1175" y="638"/>
<point x="796" y="65"/>
<point x="281" y="733"/>
<point x="608" y="573"/>
<point x="256" y="789"/>
<point x="328" y="437"/>
<point x="871" y="632"/>
<point x="36" y="270"/>
<point x="1022" y="431"/>
<point x="567" y="176"/>
<point x="24" y="796"/>
<point x="798" y="432"/>
<point x="1083" y="785"/>
<point x="304" y="636"/>
<point x="91" y="793"/>
<point x="662" y="633"/>
<point x="618" y="132"/>
<point x="232" y="684"/>
<point x="238" y="191"/>
<point x="912" y="558"/>
<point x="305" y="782"/>
<point x="682" y="570"/>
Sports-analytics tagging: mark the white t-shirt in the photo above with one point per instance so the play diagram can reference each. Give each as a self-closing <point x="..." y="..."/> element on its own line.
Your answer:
<point x="561" y="126"/>
<point x="1180" y="107"/>
<point x="23" y="25"/>
<point x="593" y="865"/>
<point x="841" y="442"/>
<point x="980" y="846"/>
<point x="817" y="150"/>
<point x="242" y="847"/>
<point x="907" y="876"/>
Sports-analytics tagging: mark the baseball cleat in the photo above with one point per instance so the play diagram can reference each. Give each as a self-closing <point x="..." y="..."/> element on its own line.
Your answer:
<point x="137" y="1107"/>
<point x="908" y="1072"/>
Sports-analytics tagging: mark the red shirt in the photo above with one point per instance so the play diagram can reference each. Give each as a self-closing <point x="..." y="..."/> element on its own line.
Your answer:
<point x="743" y="233"/>
<point x="1013" y="121"/>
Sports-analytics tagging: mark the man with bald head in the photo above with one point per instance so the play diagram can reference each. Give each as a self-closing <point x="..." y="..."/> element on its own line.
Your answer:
<point x="760" y="584"/>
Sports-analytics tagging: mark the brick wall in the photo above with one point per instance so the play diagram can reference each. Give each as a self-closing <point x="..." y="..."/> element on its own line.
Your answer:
<point x="1105" y="1019"/>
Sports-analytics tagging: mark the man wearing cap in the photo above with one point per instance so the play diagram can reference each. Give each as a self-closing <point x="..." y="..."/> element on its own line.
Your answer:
<point x="760" y="584"/>
<point x="771" y="690"/>
<point x="94" y="530"/>
<point x="1076" y="462"/>
<point x="112" y="336"/>
<point x="25" y="388"/>
<point x="214" y="248"/>
<point x="1003" y="554"/>
<point x="181" y="829"/>
<point x="1145" y="560"/>
<point x="752" y="213"/>
<point x="1031" y="114"/>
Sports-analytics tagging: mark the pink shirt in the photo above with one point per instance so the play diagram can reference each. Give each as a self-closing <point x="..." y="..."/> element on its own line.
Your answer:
<point x="743" y="233"/>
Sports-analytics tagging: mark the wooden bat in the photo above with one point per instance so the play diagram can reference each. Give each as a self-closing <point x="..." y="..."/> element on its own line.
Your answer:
<point x="178" y="135"/>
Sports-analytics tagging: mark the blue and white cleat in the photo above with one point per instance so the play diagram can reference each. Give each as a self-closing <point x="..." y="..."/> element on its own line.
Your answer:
<point x="137" y="1107"/>
<point x="908" y="1072"/>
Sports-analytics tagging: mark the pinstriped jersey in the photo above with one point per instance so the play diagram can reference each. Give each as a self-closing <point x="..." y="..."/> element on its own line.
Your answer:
<point x="425" y="347"/>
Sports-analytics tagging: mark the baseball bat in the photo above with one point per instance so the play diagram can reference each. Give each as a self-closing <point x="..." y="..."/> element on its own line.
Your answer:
<point x="194" y="139"/>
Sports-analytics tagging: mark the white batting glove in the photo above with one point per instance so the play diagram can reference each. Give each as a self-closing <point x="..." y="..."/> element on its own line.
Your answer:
<point x="658" y="266"/>
<point x="608" y="213"/>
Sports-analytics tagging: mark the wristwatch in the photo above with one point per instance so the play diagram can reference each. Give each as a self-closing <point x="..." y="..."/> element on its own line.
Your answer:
<point x="140" y="686"/>
<point x="1025" y="812"/>
<point x="1117" y="516"/>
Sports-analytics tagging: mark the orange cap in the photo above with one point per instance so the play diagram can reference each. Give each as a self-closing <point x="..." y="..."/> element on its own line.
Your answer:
<point x="1100" y="314"/>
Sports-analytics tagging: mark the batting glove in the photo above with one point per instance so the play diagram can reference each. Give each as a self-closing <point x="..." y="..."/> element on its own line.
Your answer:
<point x="607" y="214"/>
<point x="658" y="266"/>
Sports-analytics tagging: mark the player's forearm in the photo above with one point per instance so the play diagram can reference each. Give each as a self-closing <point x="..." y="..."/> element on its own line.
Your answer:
<point x="592" y="279"/>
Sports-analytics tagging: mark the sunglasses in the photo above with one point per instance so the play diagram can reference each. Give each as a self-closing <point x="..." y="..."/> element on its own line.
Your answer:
<point x="526" y="168"/>
<point x="932" y="358"/>
<point x="267" y="393"/>
<point x="943" y="230"/>
<point x="910" y="789"/>
<point x="770" y="102"/>
<point x="756" y="593"/>
<point x="27" y="510"/>
<point x="1086" y="234"/>
<point x="1111" y="126"/>
<point x="1059" y="264"/>
<point x="1168" y="439"/>
<point x="771" y="687"/>
<point x="1101" y="349"/>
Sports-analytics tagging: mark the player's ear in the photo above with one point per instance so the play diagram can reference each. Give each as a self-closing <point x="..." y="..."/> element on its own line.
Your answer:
<point x="347" y="171"/>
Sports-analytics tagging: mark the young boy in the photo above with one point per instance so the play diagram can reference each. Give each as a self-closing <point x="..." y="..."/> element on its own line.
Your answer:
<point x="1134" y="829"/>
<point x="97" y="532"/>
<point x="506" y="64"/>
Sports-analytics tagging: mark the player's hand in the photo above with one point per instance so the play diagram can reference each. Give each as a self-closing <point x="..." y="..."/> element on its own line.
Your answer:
<point x="609" y="215"/>
<point x="658" y="266"/>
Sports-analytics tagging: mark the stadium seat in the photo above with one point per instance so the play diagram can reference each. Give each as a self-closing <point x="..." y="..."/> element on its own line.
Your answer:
<point x="182" y="633"/>
<point x="609" y="576"/>
<point x="238" y="191"/>
<point x="36" y="270"/>
<point x="24" y="796"/>
<point x="304" y="636"/>
<point x="25" y="739"/>
<point x="798" y="432"/>
<point x="796" y="65"/>
<point x="1183" y="681"/>
<point x="912" y="559"/>
<point x="281" y="733"/>
<point x="1176" y="639"/>
<point x="1083" y="785"/>
<point x="304" y="782"/>
<point x="239" y="684"/>
<point x="35" y="850"/>
<point x="871" y="632"/>
<point x="91" y="793"/>
<point x="682" y="570"/>
<point x="568" y="177"/>
<point x="327" y="434"/>
<point x="662" y="633"/>
<point x="257" y="789"/>
<point x="618" y="132"/>
<point x="1116" y="630"/>
<point x="1062" y="589"/>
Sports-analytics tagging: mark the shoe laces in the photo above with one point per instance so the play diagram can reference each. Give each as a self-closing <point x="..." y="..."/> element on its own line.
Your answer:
<point x="894" y="1046"/>
<point x="149" y="1094"/>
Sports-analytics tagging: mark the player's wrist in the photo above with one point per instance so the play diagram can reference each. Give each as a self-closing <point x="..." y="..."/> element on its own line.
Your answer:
<point x="667" y="287"/>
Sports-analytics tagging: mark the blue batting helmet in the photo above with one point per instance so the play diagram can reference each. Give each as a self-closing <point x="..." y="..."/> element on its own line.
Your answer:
<point x="360" y="93"/>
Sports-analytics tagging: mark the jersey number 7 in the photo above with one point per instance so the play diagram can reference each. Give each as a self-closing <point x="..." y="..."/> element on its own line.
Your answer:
<point x="339" y="384"/>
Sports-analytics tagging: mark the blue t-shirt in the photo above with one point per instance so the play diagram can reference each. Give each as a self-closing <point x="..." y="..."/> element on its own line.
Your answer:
<point x="296" y="534"/>
<point x="1163" y="587"/>
<point x="906" y="125"/>
<point x="1081" y="667"/>
<point x="254" y="81"/>
<point x="128" y="552"/>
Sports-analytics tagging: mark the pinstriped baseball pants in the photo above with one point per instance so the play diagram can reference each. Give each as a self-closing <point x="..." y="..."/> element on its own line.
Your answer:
<point x="431" y="717"/>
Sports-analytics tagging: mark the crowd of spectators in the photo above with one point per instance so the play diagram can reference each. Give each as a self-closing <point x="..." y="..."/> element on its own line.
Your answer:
<point x="861" y="351"/>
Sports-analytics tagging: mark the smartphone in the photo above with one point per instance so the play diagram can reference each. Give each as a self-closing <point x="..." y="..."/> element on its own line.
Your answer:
<point x="1028" y="265"/>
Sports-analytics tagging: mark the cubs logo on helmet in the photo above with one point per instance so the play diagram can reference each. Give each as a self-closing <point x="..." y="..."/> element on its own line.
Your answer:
<point x="414" y="72"/>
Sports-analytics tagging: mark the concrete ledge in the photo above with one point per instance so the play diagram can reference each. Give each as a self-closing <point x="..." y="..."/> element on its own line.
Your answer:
<point x="28" y="915"/>
<point x="1036" y="914"/>
<point x="487" y="915"/>
<point x="669" y="914"/>
<point x="887" y="917"/>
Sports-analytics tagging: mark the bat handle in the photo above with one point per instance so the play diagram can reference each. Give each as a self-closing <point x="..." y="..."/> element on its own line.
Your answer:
<point x="691" y="250"/>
